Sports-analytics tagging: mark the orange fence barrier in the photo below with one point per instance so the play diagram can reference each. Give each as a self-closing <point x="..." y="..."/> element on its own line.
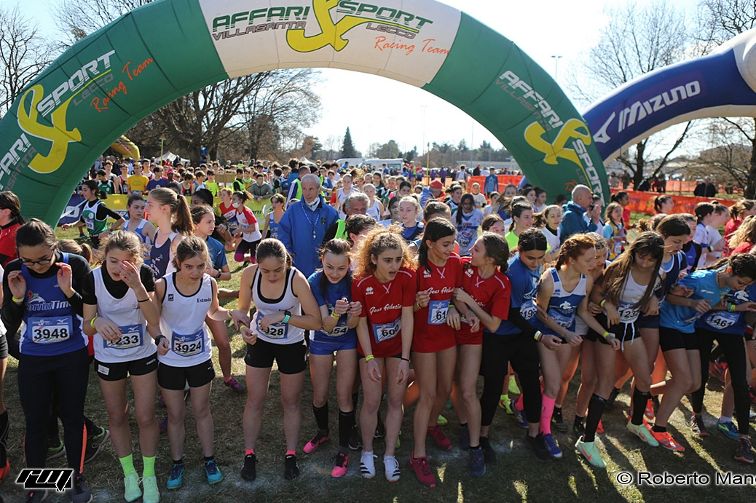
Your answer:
<point x="643" y="202"/>
<point x="504" y="180"/>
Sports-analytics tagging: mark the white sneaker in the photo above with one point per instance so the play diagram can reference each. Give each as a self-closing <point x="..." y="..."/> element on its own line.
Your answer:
<point x="367" y="465"/>
<point x="391" y="466"/>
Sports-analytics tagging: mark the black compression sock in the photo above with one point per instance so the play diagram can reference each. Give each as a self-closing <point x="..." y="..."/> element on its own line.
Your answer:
<point x="659" y="429"/>
<point x="595" y="410"/>
<point x="321" y="417"/>
<point x="640" y="399"/>
<point x="346" y="423"/>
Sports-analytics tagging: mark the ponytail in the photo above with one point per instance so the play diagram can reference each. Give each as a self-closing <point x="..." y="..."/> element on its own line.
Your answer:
<point x="183" y="222"/>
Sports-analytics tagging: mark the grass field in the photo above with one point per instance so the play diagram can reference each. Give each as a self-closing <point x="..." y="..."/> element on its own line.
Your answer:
<point x="518" y="475"/>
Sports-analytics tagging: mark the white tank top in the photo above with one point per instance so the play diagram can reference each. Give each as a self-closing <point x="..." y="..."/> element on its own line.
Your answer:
<point x="374" y="211"/>
<point x="135" y="342"/>
<point x="182" y="321"/>
<point x="279" y="333"/>
<point x="629" y="307"/>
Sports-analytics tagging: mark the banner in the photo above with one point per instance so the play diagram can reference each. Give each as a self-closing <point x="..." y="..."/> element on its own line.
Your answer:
<point x="106" y="82"/>
<point x="722" y="84"/>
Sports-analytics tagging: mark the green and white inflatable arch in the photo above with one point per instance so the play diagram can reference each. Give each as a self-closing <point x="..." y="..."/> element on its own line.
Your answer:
<point x="111" y="79"/>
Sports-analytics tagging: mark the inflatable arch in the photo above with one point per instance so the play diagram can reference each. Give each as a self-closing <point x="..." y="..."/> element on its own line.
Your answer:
<point x="114" y="77"/>
<point x="722" y="84"/>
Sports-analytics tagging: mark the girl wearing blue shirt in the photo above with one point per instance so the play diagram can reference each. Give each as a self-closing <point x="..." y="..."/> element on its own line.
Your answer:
<point x="332" y="289"/>
<point x="678" y="338"/>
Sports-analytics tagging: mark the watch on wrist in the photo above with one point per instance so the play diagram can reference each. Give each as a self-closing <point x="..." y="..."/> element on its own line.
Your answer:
<point x="287" y="317"/>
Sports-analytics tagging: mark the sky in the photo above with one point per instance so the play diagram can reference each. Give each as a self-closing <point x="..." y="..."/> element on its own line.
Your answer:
<point x="412" y="117"/>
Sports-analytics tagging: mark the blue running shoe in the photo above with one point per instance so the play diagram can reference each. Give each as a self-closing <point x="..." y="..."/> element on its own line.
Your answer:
<point x="176" y="478"/>
<point x="213" y="473"/>
<point x="551" y="445"/>
<point x="728" y="429"/>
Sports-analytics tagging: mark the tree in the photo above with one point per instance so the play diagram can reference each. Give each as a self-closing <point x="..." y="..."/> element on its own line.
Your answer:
<point x="347" y="148"/>
<point x="389" y="150"/>
<point x="23" y="55"/>
<point x="636" y="41"/>
<point x="719" y="21"/>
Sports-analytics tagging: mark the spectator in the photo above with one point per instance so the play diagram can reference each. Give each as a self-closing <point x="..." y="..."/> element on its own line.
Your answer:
<point x="573" y="219"/>
<point x="356" y="204"/>
<point x="260" y="190"/>
<point x="304" y="225"/>
<point x="711" y="188"/>
<point x="491" y="184"/>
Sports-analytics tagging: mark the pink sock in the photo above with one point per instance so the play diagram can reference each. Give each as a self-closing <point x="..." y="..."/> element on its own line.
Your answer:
<point x="291" y="453"/>
<point x="519" y="403"/>
<point x="547" y="409"/>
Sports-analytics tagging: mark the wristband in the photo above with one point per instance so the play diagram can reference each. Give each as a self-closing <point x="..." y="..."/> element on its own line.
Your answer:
<point x="159" y="338"/>
<point x="92" y="321"/>
<point x="538" y="336"/>
<point x="606" y="334"/>
<point x="287" y="317"/>
<point x="144" y="300"/>
<point x="335" y="315"/>
<point x="17" y="300"/>
<point x="731" y="307"/>
<point x="603" y="301"/>
<point x="369" y="357"/>
<point x="404" y="359"/>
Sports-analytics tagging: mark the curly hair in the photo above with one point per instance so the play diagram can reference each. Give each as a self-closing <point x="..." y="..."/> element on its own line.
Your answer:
<point x="575" y="246"/>
<point x="376" y="242"/>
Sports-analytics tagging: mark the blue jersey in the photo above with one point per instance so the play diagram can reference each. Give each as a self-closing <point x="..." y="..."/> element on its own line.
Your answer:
<point x="327" y="297"/>
<point x="217" y="253"/>
<point x="524" y="281"/>
<point x="704" y="286"/>
<point x="563" y="305"/>
<point x="671" y="269"/>
<point x="52" y="326"/>
<point x="725" y="321"/>
<point x="272" y="226"/>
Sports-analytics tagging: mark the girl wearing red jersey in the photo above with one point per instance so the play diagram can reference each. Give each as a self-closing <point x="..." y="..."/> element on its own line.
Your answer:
<point x="385" y="287"/>
<point x="486" y="292"/>
<point x="434" y="346"/>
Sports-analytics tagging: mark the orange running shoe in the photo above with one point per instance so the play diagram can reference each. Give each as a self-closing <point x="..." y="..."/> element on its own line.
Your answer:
<point x="665" y="440"/>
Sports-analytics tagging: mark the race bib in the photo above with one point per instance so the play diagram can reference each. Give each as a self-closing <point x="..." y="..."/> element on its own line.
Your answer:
<point x="338" y="331"/>
<point x="132" y="336"/>
<point x="628" y="313"/>
<point x="437" y="310"/>
<point x="50" y="330"/>
<point x="528" y="309"/>
<point x="188" y="345"/>
<point x="386" y="331"/>
<point x="89" y="218"/>
<point x="275" y="331"/>
<point x="722" y="319"/>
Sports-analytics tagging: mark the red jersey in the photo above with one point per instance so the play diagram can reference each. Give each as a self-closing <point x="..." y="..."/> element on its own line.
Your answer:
<point x="491" y="294"/>
<point x="227" y="212"/>
<point x="8" y="243"/>
<point x="382" y="305"/>
<point x="432" y="334"/>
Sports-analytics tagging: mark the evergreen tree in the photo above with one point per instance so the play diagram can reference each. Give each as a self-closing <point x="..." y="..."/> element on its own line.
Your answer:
<point x="347" y="148"/>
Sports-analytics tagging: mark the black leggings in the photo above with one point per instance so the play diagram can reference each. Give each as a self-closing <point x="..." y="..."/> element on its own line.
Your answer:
<point x="733" y="347"/>
<point x="498" y="352"/>
<point x="38" y="378"/>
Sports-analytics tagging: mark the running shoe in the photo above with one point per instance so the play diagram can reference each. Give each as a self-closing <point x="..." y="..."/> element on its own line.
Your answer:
<point x="291" y="470"/>
<point x="55" y="449"/>
<point x="315" y="442"/>
<point x="96" y="442"/>
<point x="697" y="425"/>
<point x="552" y="446"/>
<point x="355" y="440"/>
<point x="176" y="477"/>
<point x="513" y="388"/>
<point x="441" y="420"/>
<point x="590" y="452"/>
<point x="728" y="429"/>
<point x="505" y="404"/>
<point x="234" y="385"/>
<point x="340" y="465"/>
<point x="665" y="440"/>
<point x="649" y="413"/>
<point x="539" y="448"/>
<point x="391" y="468"/>
<point x="612" y="398"/>
<point x="35" y="496"/>
<point x="519" y="415"/>
<point x="744" y="452"/>
<point x="464" y="437"/>
<point x="600" y="427"/>
<point x="439" y="438"/>
<point x="249" y="470"/>
<point x="212" y="472"/>
<point x="80" y="492"/>
<point x="423" y="471"/>
<point x="367" y="465"/>
<point x="131" y="491"/>
<point x="557" y="421"/>
<point x="642" y="432"/>
<point x="151" y="491"/>
<point x="476" y="462"/>
<point x="489" y="455"/>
